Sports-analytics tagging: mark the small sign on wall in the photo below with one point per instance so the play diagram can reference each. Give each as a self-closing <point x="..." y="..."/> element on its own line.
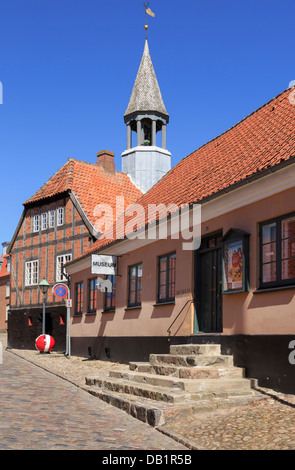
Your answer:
<point x="104" y="264"/>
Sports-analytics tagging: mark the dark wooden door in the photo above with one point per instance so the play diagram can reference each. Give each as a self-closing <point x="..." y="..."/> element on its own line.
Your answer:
<point x="208" y="291"/>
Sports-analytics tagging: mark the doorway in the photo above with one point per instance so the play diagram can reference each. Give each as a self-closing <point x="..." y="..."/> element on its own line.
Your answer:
<point x="208" y="285"/>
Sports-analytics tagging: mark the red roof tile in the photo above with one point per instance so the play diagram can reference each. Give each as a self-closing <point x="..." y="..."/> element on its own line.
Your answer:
<point x="91" y="185"/>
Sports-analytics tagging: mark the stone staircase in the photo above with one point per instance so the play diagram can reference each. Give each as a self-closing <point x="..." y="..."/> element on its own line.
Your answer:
<point x="195" y="377"/>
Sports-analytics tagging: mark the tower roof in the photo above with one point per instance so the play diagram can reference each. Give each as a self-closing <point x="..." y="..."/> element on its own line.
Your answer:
<point x="146" y="94"/>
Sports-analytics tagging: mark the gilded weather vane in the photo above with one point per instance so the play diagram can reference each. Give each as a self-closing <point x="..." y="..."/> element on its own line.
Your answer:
<point x="148" y="11"/>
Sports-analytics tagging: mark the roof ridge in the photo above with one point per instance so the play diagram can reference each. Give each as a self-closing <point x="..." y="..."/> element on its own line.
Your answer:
<point x="235" y="125"/>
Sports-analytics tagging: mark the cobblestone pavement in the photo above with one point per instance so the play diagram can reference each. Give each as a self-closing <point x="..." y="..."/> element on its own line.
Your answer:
<point x="40" y="411"/>
<point x="268" y="424"/>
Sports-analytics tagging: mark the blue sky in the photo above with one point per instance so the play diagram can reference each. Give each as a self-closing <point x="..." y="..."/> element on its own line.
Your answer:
<point x="68" y="67"/>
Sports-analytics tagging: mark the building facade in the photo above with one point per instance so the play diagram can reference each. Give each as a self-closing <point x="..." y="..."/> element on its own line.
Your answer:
<point x="237" y="288"/>
<point x="57" y="225"/>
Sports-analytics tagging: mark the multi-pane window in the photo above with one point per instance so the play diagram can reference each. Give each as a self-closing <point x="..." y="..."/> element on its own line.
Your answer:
<point x="79" y="298"/>
<point x="110" y="297"/>
<point x="92" y="295"/>
<point x="36" y="223"/>
<point x="166" y="277"/>
<point x="60" y="262"/>
<point x="277" y="252"/>
<point x="135" y="278"/>
<point x="51" y="218"/>
<point x="31" y="273"/>
<point x="60" y="216"/>
<point x="44" y="221"/>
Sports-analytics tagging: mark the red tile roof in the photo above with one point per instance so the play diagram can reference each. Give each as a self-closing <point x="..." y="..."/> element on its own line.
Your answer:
<point x="263" y="139"/>
<point x="91" y="185"/>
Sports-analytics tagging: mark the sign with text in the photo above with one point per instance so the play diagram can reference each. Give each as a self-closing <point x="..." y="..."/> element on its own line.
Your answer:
<point x="104" y="264"/>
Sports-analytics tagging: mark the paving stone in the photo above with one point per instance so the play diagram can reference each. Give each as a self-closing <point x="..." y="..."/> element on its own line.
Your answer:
<point x="61" y="415"/>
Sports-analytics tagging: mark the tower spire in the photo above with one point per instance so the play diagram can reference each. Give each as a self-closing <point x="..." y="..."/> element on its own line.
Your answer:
<point x="146" y="115"/>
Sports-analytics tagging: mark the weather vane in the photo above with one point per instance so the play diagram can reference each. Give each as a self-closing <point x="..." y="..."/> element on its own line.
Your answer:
<point x="148" y="11"/>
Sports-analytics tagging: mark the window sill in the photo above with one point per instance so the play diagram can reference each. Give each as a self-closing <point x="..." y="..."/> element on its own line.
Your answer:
<point x="109" y="311"/>
<point x="133" y="307"/>
<point x="264" y="290"/>
<point x="77" y="315"/>
<point x="90" y="313"/>
<point x="169" y="302"/>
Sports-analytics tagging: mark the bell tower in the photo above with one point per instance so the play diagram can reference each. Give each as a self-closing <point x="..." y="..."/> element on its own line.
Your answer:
<point x="144" y="161"/>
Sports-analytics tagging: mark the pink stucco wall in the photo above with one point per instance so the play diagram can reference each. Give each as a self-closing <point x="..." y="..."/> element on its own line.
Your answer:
<point x="243" y="313"/>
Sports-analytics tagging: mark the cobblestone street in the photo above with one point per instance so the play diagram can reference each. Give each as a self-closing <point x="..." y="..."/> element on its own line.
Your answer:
<point x="41" y="411"/>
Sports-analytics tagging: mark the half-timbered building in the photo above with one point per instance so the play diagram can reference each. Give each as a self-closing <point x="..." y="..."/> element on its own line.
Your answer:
<point x="57" y="224"/>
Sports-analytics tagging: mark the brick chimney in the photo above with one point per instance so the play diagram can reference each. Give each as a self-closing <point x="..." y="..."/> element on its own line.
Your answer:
<point x="105" y="159"/>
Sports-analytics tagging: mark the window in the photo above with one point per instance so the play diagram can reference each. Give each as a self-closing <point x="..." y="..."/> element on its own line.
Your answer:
<point x="235" y="261"/>
<point x="60" y="216"/>
<point x="134" y="292"/>
<point x="92" y="295"/>
<point x="7" y="313"/>
<point x="51" y="218"/>
<point x="110" y="297"/>
<point x="79" y="298"/>
<point x="36" y="223"/>
<point x="60" y="262"/>
<point x="277" y="252"/>
<point x="7" y="289"/>
<point x="166" y="276"/>
<point x="31" y="273"/>
<point x="44" y="221"/>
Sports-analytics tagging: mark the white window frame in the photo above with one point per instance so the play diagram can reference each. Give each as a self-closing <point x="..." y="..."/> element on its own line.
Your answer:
<point x="44" y="221"/>
<point x="51" y="218"/>
<point x="31" y="273"/>
<point x="36" y="223"/>
<point x="60" y="261"/>
<point x="60" y="216"/>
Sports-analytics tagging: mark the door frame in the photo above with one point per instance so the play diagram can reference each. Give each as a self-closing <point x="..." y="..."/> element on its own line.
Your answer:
<point x="197" y="276"/>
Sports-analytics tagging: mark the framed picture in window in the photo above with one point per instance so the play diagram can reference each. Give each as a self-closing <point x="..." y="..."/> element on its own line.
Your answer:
<point x="235" y="260"/>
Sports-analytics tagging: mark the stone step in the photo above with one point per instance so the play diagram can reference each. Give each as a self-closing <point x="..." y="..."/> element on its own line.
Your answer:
<point x="166" y="395"/>
<point x="139" y="390"/>
<point x="191" y="360"/>
<point x="143" y="409"/>
<point x="192" y="349"/>
<point x="184" y="384"/>
<point x="157" y="413"/>
<point x="197" y="372"/>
